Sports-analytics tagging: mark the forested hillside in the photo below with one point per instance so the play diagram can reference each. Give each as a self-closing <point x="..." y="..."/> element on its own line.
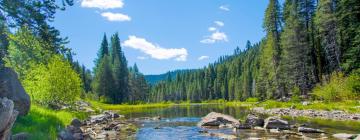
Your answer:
<point x="308" y="44"/>
<point x="154" y="79"/>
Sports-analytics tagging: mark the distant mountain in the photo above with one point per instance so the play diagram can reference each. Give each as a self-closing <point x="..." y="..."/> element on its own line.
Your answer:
<point x="153" y="79"/>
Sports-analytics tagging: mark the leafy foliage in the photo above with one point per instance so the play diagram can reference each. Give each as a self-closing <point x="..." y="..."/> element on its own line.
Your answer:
<point x="53" y="84"/>
<point x="25" y="51"/>
<point x="339" y="88"/>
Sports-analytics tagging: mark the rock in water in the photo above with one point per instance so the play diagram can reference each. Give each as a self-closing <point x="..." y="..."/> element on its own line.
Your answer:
<point x="253" y="120"/>
<point x="7" y="118"/>
<point x="309" y="130"/>
<point x="276" y="123"/>
<point x="11" y="88"/>
<point x="344" y="136"/>
<point x="216" y="119"/>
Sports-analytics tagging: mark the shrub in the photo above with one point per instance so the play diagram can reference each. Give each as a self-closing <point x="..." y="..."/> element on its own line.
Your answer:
<point x="253" y="99"/>
<point x="339" y="88"/>
<point x="53" y="84"/>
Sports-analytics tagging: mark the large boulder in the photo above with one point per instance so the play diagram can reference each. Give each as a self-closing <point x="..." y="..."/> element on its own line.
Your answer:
<point x="11" y="88"/>
<point x="253" y="120"/>
<point x="214" y="119"/>
<point x="7" y="118"/>
<point x="276" y="123"/>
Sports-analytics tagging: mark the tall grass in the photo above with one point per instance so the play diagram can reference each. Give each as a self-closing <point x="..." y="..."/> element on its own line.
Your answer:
<point x="43" y="123"/>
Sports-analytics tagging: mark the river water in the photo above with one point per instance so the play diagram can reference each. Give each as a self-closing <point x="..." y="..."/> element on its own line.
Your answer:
<point x="179" y="123"/>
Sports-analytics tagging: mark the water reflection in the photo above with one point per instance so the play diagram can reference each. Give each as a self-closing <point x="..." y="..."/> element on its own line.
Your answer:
<point x="179" y="122"/>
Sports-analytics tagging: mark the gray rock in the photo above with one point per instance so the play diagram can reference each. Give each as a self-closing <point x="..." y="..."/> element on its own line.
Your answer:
<point x="11" y="88"/>
<point x="76" y="122"/>
<point x="223" y="136"/>
<point x="243" y="126"/>
<point x="98" y="118"/>
<point x="7" y="117"/>
<point x="276" y="123"/>
<point x="344" y="136"/>
<point x="216" y="119"/>
<point x="309" y="130"/>
<point x="253" y="120"/>
<point x="65" y="135"/>
<point x="21" y="136"/>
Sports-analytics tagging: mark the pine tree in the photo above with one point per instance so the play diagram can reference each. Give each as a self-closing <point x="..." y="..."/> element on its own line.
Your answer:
<point x="104" y="84"/>
<point x="348" y="19"/>
<point x="120" y="70"/>
<point x="296" y="63"/>
<point x="326" y="22"/>
<point x="271" y="52"/>
<point x="104" y="50"/>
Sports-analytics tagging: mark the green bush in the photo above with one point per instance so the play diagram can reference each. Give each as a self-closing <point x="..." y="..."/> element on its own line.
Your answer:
<point x="253" y="99"/>
<point x="339" y="88"/>
<point x="54" y="84"/>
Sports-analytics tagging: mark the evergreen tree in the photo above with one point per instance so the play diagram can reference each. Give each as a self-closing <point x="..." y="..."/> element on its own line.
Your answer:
<point x="104" y="50"/>
<point x="296" y="56"/>
<point x="104" y="84"/>
<point x="120" y="71"/>
<point x="326" y="22"/>
<point x="348" y="19"/>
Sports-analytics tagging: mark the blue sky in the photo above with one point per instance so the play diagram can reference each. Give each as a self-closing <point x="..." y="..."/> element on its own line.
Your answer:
<point x="162" y="35"/>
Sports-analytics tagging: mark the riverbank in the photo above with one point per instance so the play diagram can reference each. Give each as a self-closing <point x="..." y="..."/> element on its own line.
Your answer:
<point x="45" y="123"/>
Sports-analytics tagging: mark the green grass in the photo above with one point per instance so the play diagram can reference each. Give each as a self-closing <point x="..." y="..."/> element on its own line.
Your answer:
<point x="347" y="106"/>
<point x="104" y="106"/>
<point x="332" y="125"/>
<point x="43" y="123"/>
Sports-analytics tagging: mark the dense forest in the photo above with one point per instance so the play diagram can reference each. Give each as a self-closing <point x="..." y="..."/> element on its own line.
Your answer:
<point x="310" y="46"/>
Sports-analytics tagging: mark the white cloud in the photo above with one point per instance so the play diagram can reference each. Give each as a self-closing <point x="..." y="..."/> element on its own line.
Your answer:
<point x="141" y="57"/>
<point x="224" y="8"/>
<point x="207" y="41"/>
<point x="219" y="23"/>
<point x="215" y="37"/>
<point x="211" y="29"/>
<point x="102" y="4"/>
<point x="115" y="16"/>
<point x="203" y="57"/>
<point x="154" y="50"/>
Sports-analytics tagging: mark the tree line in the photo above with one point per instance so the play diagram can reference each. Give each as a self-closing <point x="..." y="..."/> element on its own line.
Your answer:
<point x="306" y="42"/>
<point x="310" y="46"/>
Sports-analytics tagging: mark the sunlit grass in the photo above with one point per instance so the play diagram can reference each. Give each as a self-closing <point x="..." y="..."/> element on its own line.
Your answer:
<point x="43" y="123"/>
<point x="347" y="106"/>
<point x="104" y="106"/>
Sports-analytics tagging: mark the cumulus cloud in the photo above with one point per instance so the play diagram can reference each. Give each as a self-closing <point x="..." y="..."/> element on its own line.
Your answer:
<point x="203" y="57"/>
<point x="216" y="34"/>
<point x="115" y="16"/>
<point x="219" y="23"/>
<point x="154" y="50"/>
<point x="215" y="37"/>
<point x="102" y="4"/>
<point x="224" y="8"/>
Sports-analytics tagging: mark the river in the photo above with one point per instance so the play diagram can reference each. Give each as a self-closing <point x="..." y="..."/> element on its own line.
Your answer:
<point x="179" y="123"/>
